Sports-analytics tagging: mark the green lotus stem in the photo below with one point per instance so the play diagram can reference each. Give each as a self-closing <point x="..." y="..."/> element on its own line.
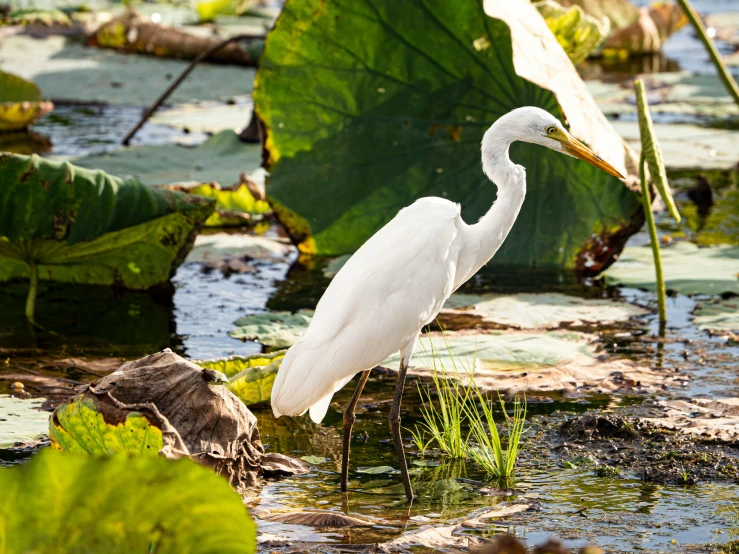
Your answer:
<point x="654" y="241"/>
<point x="708" y="43"/>
<point x="32" y="288"/>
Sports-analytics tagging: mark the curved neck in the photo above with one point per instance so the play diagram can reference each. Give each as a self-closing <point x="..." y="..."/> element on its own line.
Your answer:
<point x="483" y="239"/>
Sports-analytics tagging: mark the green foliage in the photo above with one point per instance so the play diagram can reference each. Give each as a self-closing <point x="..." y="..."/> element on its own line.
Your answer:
<point x="444" y="419"/>
<point x="390" y="104"/>
<point x="490" y="453"/>
<point x="65" y="504"/>
<point x="230" y="203"/>
<point x="578" y="33"/>
<point x="250" y="378"/>
<point x="59" y="222"/>
<point x="20" y="103"/>
<point x="79" y="428"/>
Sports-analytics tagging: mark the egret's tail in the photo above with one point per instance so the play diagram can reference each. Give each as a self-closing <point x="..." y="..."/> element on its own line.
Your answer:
<point x="305" y="382"/>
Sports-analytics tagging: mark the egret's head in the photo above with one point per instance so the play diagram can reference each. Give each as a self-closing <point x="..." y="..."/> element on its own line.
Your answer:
<point x="535" y="125"/>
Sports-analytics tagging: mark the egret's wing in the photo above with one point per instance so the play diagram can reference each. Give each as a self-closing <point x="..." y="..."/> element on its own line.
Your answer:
<point x="392" y="286"/>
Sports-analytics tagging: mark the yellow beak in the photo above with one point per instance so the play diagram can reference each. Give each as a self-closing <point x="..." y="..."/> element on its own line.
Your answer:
<point x="577" y="149"/>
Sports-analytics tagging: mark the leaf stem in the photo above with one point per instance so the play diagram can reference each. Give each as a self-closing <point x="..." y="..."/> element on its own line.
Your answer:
<point x="708" y="43"/>
<point x="32" y="288"/>
<point x="654" y="241"/>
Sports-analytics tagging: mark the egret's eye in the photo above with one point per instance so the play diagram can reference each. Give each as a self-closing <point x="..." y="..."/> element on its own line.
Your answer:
<point x="550" y="130"/>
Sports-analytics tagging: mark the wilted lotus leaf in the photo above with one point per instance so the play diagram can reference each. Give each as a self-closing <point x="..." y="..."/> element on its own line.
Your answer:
<point x="354" y="134"/>
<point x="64" y="503"/>
<point x="251" y="377"/>
<point x="621" y="13"/>
<point x="276" y="329"/>
<point x="20" y="103"/>
<point x="37" y="16"/>
<point x="648" y="34"/>
<point x="319" y="519"/>
<point x="578" y="33"/>
<point x="178" y="397"/>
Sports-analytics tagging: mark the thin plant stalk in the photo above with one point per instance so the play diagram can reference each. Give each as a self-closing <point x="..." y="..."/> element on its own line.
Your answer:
<point x="700" y="30"/>
<point x="32" y="290"/>
<point x="654" y="242"/>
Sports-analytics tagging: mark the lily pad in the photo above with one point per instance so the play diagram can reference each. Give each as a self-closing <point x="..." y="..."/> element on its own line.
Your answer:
<point x="315" y="460"/>
<point x="251" y="377"/>
<point x="66" y="69"/>
<point x="687" y="268"/>
<point x="377" y="470"/>
<point x="21" y="420"/>
<point x="532" y="361"/>
<point x="64" y="503"/>
<point x="63" y="223"/>
<point x="210" y="247"/>
<point x="20" y="103"/>
<point x="540" y="310"/>
<point x="276" y="329"/>
<point x="221" y="158"/>
<point x="353" y="134"/>
<point x="718" y="315"/>
<point x="578" y="33"/>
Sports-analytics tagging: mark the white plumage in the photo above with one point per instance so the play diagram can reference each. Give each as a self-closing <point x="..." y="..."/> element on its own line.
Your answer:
<point x="397" y="282"/>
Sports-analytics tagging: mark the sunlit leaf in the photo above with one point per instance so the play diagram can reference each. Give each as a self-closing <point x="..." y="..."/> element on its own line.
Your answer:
<point x="20" y="103"/>
<point x="354" y="134"/>
<point x="251" y="377"/>
<point x="578" y="33"/>
<point x="315" y="460"/>
<point x="276" y="329"/>
<point x="68" y="504"/>
<point x="377" y="470"/>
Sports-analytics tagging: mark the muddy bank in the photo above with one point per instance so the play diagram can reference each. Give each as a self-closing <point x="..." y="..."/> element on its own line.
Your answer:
<point x="612" y="445"/>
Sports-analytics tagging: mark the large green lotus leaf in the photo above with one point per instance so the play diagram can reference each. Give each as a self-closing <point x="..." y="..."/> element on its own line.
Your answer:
<point x="687" y="269"/>
<point x="251" y="377"/>
<point x="69" y="504"/>
<point x="718" y="315"/>
<point x="20" y="103"/>
<point x="78" y="427"/>
<point x="87" y="227"/>
<point x="276" y="329"/>
<point x="541" y="310"/>
<point x="221" y="158"/>
<point x="21" y="420"/>
<point x="577" y="33"/>
<point x="369" y="106"/>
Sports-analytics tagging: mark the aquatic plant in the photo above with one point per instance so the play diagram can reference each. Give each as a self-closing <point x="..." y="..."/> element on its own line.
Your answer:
<point x="444" y="419"/>
<point x="490" y="453"/>
<point x="651" y="156"/>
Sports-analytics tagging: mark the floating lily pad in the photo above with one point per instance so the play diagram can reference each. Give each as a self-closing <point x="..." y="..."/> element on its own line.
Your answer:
<point x="354" y="134"/>
<point x="20" y="103"/>
<point x="276" y="329"/>
<point x="315" y="460"/>
<point x="536" y="361"/>
<point x="377" y="470"/>
<point x="213" y="246"/>
<point x="21" y="420"/>
<point x="541" y="310"/>
<point x="687" y="268"/>
<point x="718" y="315"/>
<point x="65" y="69"/>
<point x="251" y="377"/>
<point x="63" y="503"/>
<point x="208" y="117"/>
<point x="221" y="158"/>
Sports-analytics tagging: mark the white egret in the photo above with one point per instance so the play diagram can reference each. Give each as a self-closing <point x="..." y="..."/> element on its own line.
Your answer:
<point x="399" y="279"/>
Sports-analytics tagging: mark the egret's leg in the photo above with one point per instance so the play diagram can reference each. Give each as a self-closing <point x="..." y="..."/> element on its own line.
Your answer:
<point x="405" y="359"/>
<point x="349" y="420"/>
